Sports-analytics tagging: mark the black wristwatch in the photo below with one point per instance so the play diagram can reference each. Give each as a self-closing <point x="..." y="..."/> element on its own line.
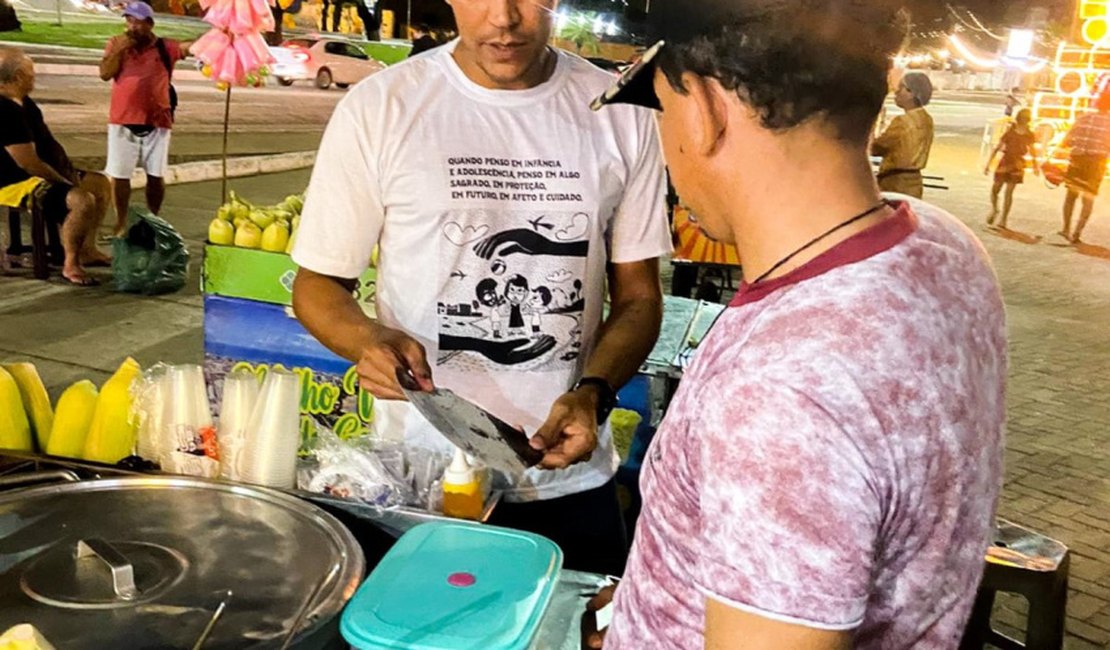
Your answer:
<point x="606" y="396"/>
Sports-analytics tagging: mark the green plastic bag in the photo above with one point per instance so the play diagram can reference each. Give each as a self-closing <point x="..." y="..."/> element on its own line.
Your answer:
<point x="152" y="259"/>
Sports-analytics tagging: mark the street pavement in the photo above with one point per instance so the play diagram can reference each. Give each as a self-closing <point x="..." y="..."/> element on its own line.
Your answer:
<point x="262" y="120"/>
<point x="1057" y="297"/>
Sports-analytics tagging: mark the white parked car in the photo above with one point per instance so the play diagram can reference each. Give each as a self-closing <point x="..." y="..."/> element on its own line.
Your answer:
<point x="323" y="61"/>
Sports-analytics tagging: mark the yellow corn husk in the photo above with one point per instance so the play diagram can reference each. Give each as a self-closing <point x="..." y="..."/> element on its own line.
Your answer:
<point x="112" y="434"/>
<point x="72" y="419"/>
<point x="15" y="430"/>
<point x="24" y="637"/>
<point x="36" y="402"/>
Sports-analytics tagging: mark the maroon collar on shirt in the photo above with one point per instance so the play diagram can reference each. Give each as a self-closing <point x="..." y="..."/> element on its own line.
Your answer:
<point x="877" y="239"/>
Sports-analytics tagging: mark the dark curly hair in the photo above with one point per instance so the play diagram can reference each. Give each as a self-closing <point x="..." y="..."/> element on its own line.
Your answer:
<point x="799" y="61"/>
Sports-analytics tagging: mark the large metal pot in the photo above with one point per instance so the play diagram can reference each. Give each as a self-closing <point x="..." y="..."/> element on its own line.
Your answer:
<point x="172" y="562"/>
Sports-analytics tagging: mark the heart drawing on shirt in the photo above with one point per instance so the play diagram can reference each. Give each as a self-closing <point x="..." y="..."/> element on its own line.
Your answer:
<point x="577" y="228"/>
<point x="461" y="236"/>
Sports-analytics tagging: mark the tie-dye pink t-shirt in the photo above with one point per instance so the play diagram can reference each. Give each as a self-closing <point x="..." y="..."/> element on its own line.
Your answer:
<point x="834" y="454"/>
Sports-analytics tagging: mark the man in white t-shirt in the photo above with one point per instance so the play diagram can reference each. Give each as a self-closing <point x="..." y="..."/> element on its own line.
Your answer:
<point x="826" y="476"/>
<point x="503" y="208"/>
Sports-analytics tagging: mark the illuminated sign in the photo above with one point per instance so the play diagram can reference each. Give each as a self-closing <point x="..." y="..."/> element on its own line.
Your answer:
<point x="1021" y="44"/>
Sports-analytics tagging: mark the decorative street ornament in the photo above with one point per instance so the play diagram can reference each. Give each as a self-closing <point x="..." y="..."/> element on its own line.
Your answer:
<point x="234" y="52"/>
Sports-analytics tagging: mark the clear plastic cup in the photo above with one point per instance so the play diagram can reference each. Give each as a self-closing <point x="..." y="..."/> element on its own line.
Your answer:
<point x="273" y="434"/>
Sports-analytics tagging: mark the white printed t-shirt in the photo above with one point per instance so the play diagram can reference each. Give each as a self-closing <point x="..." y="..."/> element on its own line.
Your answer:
<point x="833" y="456"/>
<point x="496" y="212"/>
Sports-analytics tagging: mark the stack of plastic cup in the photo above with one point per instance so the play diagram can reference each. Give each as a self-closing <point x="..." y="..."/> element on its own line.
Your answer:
<point x="273" y="433"/>
<point x="188" y="424"/>
<point x="240" y="397"/>
<point x="151" y="406"/>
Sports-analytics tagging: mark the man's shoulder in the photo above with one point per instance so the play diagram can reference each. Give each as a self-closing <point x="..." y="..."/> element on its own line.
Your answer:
<point x="591" y="80"/>
<point x="409" y="75"/>
<point x="12" y="110"/>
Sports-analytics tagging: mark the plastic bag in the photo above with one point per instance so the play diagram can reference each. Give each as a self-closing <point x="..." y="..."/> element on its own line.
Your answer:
<point x="353" y="470"/>
<point x="152" y="258"/>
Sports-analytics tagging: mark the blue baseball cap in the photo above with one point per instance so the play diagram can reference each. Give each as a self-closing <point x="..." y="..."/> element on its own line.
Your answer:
<point x="140" y="10"/>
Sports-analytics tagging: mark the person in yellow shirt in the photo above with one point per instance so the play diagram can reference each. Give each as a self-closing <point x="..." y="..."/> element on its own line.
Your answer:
<point x="906" y="143"/>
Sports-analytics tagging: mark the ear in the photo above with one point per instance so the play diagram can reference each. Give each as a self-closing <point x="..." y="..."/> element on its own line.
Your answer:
<point x="709" y="114"/>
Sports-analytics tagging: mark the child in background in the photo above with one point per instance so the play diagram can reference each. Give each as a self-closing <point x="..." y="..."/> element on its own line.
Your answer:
<point x="1018" y="141"/>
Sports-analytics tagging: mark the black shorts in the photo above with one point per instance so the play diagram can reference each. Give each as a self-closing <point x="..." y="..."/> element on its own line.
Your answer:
<point x="51" y="198"/>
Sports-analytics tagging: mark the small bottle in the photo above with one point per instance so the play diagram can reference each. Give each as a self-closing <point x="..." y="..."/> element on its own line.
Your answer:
<point x="481" y="473"/>
<point x="462" y="494"/>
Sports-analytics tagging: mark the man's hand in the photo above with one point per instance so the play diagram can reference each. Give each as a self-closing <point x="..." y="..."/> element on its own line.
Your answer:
<point x="113" y="56"/>
<point x="596" y="638"/>
<point x="391" y="350"/>
<point x="570" y="433"/>
<point x="121" y="43"/>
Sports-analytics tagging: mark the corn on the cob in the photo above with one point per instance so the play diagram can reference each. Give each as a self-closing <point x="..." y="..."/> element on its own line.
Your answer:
<point x="72" y="419"/>
<point x="112" y="434"/>
<point x="15" y="431"/>
<point x="36" y="403"/>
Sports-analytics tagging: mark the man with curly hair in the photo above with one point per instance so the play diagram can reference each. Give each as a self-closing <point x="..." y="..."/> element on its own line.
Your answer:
<point x="826" y="476"/>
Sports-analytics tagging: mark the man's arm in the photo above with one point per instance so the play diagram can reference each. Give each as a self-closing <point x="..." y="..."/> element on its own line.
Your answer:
<point x="887" y="141"/>
<point x="326" y="308"/>
<point x="28" y="160"/>
<point x="990" y="159"/>
<point x="624" y="342"/>
<point x="727" y="628"/>
<point x="635" y="316"/>
<point x="112" y="61"/>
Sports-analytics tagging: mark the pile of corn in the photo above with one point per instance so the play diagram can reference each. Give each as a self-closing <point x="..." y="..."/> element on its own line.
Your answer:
<point x="87" y="423"/>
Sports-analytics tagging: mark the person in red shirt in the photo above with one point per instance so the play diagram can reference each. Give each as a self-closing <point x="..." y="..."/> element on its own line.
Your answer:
<point x="140" y="66"/>
<point x="1089" y="143"/>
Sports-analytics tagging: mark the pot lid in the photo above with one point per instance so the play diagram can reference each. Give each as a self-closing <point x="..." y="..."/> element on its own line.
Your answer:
<point x="148" y="563"/>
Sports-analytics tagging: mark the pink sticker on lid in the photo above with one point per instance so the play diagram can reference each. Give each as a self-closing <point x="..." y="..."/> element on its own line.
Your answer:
<point x="461" y="579"/>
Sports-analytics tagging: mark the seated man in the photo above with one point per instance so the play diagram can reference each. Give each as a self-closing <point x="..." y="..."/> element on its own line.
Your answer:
<point x="76" y="200"/>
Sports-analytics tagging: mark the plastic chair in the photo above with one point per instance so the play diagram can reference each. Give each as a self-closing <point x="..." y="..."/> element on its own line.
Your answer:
<point x="45" y="238"/>
<point x="1021" y="561"/>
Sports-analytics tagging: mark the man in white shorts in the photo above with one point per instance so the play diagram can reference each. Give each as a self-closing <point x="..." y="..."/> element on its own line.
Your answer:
<point x="139" y="64"/>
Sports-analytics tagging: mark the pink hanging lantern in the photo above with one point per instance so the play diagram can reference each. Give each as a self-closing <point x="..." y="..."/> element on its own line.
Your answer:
<point x="233" y="51"/>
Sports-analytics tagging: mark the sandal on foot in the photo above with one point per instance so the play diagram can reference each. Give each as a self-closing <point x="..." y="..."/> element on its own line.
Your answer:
<point x="83" y="281"/>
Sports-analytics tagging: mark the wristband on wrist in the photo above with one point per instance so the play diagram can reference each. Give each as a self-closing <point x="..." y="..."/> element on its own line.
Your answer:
<point x="606" y="396"/>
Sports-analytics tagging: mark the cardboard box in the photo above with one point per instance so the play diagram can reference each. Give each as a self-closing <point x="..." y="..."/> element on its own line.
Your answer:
<point x="265" y="277"/>
<point x="255" y="336"/>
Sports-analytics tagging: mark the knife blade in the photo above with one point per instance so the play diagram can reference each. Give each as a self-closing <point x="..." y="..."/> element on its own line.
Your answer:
<point x="471" y="428"/>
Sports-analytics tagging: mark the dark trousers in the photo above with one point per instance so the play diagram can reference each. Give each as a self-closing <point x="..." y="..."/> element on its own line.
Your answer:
<point x="588" y="526"/>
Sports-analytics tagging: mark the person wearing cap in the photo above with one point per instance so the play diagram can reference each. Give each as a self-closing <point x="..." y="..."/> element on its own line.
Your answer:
<point x="827" y="474"/>
<point x="905" y="144"/>
<point x="484" y="177"/>
<point x="140" y="66"/>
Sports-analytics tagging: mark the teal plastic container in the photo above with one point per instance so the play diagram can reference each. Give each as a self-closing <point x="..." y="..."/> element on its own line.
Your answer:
<point x="455" y="586"/>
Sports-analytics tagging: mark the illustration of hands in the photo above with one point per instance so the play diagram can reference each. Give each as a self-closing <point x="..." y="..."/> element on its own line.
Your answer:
<point x="527" y="242"/>
<point x="509" y="353"/>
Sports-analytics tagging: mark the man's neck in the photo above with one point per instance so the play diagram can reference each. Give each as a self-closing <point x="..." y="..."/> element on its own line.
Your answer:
<point x="12" y="94"/>
<point x="146" y="42"/>
<point x="797" y="196"/>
